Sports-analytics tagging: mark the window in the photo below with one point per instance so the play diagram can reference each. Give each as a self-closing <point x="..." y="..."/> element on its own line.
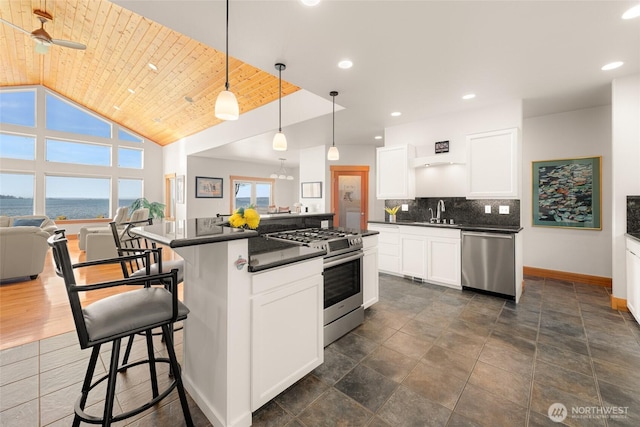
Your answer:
<point x="126" y="136"/>
<point x="16" y="194"/>
<point x="77" y="197"/>
<point x="17" y="146"/>
<point x="129" y="158"/>
<point x="252" y="191"/>
<point x="65" y="117"/>
<point x="78" y="153"/>
<point x="128" y="191"/>
<point x="18" y="107"/>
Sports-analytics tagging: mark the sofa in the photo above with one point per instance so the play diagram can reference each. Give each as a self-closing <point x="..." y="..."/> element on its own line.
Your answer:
<point x="23" y="245"/>
<point x="120" y="217"/>
<point x="99" y="243"/>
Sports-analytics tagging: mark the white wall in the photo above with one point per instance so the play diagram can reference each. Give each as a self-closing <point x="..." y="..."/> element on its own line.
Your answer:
<point x="451" y="181"/>
<point x="175" y="161"/>
<point x="581" y="133"/>
<point x="313" y="164"/>
<point x="285" y="192"/>
<point x="626" y="169"/>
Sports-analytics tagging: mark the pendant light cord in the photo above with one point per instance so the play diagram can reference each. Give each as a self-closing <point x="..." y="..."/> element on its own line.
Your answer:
<point x="334" y="122"/>
<point x="226" y="84"/>
<point x="280" y="99"/>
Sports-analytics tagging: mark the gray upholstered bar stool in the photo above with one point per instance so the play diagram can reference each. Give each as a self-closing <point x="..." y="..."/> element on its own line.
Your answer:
<point x="112" y="318"/>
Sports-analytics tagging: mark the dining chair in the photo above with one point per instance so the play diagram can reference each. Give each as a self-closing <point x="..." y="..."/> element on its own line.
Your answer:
<point x="112" y="318"/>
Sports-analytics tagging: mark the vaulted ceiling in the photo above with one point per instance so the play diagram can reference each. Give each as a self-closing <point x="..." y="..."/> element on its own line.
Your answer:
<point x="112" y="76"/>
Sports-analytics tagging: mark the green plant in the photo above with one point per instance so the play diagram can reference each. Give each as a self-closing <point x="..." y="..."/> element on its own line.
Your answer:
<point x="156" y="209"/>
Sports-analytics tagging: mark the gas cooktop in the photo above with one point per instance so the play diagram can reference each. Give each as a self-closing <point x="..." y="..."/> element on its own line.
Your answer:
<point x="332" y="241"/>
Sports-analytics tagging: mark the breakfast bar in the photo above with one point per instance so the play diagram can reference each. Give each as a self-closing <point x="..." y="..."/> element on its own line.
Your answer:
<point x="241" y="347"/>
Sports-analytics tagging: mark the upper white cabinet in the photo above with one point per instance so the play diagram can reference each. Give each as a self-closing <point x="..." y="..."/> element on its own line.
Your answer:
<point x="493" y="164"/>
<point x="395" y="178"/>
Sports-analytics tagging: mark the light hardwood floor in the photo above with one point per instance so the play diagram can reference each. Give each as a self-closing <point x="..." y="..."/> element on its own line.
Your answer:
<point x="35" y="309"/>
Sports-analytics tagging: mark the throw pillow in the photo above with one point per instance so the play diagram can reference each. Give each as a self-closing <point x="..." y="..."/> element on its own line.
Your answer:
<point x="28" y="222"/>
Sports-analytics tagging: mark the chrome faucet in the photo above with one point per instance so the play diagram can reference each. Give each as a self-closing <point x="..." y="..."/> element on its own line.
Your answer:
<point x="440" y="210"/>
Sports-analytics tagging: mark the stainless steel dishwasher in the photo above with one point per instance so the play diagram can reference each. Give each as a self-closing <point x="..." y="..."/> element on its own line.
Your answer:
<point x="488" y="262"/>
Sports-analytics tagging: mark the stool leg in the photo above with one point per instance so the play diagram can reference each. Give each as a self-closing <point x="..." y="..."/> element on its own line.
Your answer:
<point x="111" y="384"/>
<point x="127" y="351"/>
<point x="152" y="364"/>
<point x="175" y="367"/>
<point x="86" y="385"/>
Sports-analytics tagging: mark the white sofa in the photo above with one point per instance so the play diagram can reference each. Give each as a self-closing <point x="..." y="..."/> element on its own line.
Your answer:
<point x="23" y="248"/>
<point x="120" y="217"/>
<point x="99" y="244"/>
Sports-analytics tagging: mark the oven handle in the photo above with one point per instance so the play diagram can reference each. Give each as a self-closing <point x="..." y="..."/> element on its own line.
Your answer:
<point x="341" y="259"/>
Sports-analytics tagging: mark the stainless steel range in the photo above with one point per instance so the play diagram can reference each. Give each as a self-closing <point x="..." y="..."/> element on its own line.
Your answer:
<point x="343" y="310"/>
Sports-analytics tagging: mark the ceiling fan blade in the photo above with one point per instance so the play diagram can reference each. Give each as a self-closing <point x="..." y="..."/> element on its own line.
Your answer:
<point x="15" y="26"/>
<point x="68" y="43"/>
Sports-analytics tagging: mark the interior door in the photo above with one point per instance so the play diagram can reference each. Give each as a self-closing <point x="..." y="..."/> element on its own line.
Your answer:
<point x="350" y="196"/>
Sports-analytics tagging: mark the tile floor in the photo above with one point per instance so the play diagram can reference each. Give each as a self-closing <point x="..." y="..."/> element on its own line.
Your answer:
<point x="425" y="356"/>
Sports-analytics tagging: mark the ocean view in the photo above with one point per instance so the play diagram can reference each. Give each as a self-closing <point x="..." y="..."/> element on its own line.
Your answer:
<point x="69" y="208"/>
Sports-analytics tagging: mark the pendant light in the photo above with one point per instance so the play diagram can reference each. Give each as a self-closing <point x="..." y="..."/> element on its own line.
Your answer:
<point x="227" y="104"/>
<point x="282" y="172"/>
<point x="333" y="153"/>
<point x="279" y="140"/>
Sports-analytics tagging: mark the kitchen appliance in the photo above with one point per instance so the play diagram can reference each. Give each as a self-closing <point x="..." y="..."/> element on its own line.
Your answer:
<point x="343" y="299"/>
<point x="488" y="262"/>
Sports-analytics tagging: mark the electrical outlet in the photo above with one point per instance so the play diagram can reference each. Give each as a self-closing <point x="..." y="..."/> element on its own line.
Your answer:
<point x="504" y="210"/>
<point x="324" y="224"/>
<point x="405" y="207"/>
<point x="487" y="209"/>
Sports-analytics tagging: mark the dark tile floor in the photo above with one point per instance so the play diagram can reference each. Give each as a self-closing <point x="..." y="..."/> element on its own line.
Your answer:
<point x="425" y="356"/>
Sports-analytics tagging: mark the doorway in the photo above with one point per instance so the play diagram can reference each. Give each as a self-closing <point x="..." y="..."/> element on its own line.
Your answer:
<point x="350" y="196"/>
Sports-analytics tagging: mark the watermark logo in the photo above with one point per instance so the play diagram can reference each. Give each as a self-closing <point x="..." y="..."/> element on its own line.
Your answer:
<point x="557" y="412"/>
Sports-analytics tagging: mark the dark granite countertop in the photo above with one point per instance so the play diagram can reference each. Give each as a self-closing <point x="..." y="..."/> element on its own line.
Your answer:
<point x="464" y="227"/>
<point x="635" y="236"/>
<point x="265" y="253"/>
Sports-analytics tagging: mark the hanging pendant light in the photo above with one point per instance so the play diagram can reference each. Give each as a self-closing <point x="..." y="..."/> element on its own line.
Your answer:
<point x="279" y="140"/>
<point x="333" y="153"/>
<point x="282" y="172"/>
<point x="227" y="104"/>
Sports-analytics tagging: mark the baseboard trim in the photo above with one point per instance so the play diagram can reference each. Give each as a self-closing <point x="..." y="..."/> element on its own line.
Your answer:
<point x="568" y="276"/>
<point x="619" y="304"/>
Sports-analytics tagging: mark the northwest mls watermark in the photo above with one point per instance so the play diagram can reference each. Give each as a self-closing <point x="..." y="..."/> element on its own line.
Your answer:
<point x="557" y="412"/>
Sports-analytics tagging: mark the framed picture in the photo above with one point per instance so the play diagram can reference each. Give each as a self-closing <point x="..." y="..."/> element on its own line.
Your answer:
<point x="208" y="187"/>
<point x="180" y="189"/>
<point x="311" y="190"/>
<point x="567" y="193"/>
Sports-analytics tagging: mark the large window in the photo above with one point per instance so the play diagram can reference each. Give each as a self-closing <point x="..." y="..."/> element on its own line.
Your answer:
<point x="65" y="117"/>
<point x="127" y="136"/>
<point x="78" y="153"/>
<point x="16" y="194"/>
<point x="128" y="191"/>
<point x="129" y="158"/>
<point x="77" y="197"/>
<point x="252" y="191"/>
<point x="17" y="146"/>
<point x="18" y="107"/>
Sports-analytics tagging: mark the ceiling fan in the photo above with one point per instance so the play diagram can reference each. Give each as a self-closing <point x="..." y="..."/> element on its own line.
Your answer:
<point x="42" y="39"/>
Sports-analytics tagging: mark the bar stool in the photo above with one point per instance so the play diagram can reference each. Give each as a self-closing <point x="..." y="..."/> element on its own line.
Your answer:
<point x="119" y="316"/>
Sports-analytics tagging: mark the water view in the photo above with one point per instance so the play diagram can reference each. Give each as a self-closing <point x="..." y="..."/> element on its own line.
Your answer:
<point x="57" y="208"/>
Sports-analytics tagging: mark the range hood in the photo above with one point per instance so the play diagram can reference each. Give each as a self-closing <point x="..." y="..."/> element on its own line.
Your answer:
<point x="443" y="159"/>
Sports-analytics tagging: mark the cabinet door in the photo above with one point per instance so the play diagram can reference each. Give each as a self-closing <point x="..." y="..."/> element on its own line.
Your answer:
<point x="388" y="247"/>
<point x="394" y="177"/>
<point x="286" y="337"/>
<point x="443" y="265"/>
<point x="493" y="164"/>
<point x="370" y="277"/>
<point x="413" y="256"/>
<point x="633" y="284"/>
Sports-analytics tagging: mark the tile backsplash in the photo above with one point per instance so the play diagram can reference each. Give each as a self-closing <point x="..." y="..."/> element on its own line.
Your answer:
<point x="633" y="214"/>
<point x="460" y="209"/>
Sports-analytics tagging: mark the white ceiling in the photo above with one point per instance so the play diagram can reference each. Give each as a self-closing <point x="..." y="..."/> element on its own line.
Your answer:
<point x="416" y="57"/>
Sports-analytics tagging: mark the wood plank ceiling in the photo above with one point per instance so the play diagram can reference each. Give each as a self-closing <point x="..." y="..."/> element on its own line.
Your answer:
<point x="120" y="45"/>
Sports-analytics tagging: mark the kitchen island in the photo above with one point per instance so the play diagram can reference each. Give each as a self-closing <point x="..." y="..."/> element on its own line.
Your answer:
<point x="255" y="323"/>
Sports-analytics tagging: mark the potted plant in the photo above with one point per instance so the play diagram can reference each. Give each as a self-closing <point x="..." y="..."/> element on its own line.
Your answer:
<point x="156" y="209"/>
<point x="392" y="213"/>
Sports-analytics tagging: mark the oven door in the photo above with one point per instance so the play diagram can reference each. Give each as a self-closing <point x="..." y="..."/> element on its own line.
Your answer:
<point x="342" y="285"/>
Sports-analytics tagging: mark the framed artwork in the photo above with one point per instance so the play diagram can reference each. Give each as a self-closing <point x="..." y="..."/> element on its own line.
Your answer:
<point x="311" y="190"/>
<point x="567" y="193"/>
<point x="180" y="189"/>
<point x="208" y="187"/>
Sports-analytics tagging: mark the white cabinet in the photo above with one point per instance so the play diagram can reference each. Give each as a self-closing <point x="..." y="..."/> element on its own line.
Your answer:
<point x="370" y="281"/>
<point x="493" y="165"/>
<point x="287" y="339"/>
<point x="633" y="277"/>
<point x="413" y="253"/>
<point x="443" y="261"/>
<point x="388" y="247"/>
<point x="395" y="177"/>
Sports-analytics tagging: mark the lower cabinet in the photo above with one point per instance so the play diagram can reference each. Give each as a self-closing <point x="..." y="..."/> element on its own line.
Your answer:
<point x="370" y="281"/>
<point x="633" y="277"/>
<point x="443" y="261"/>
<point x="388" y="247"/>
<point x="413" y="254"/>
<point x="287" y="340"/>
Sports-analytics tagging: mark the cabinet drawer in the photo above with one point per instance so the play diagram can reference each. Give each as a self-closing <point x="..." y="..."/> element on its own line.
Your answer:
<point x="281" y="276"/>
<point x="633" y="246"/>
<point x="393" y="250"/>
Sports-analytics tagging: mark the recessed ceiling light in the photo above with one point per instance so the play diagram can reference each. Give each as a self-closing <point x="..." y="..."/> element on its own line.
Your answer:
<point x="157" y="120"/>
<point x="469" y="96"/>
<point x="131" y="91"/>
<point x="188" y="99"/>
<point x="116" y="107"/>
<point x="634" y="12"/>
<point x="153" y="67"/>
<point x="396" y="114"/>
<point x="612" y="66"/>
<point x="377" y="137"/>
<point x="345" y="64"/>
<point x="310" y="2"/>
